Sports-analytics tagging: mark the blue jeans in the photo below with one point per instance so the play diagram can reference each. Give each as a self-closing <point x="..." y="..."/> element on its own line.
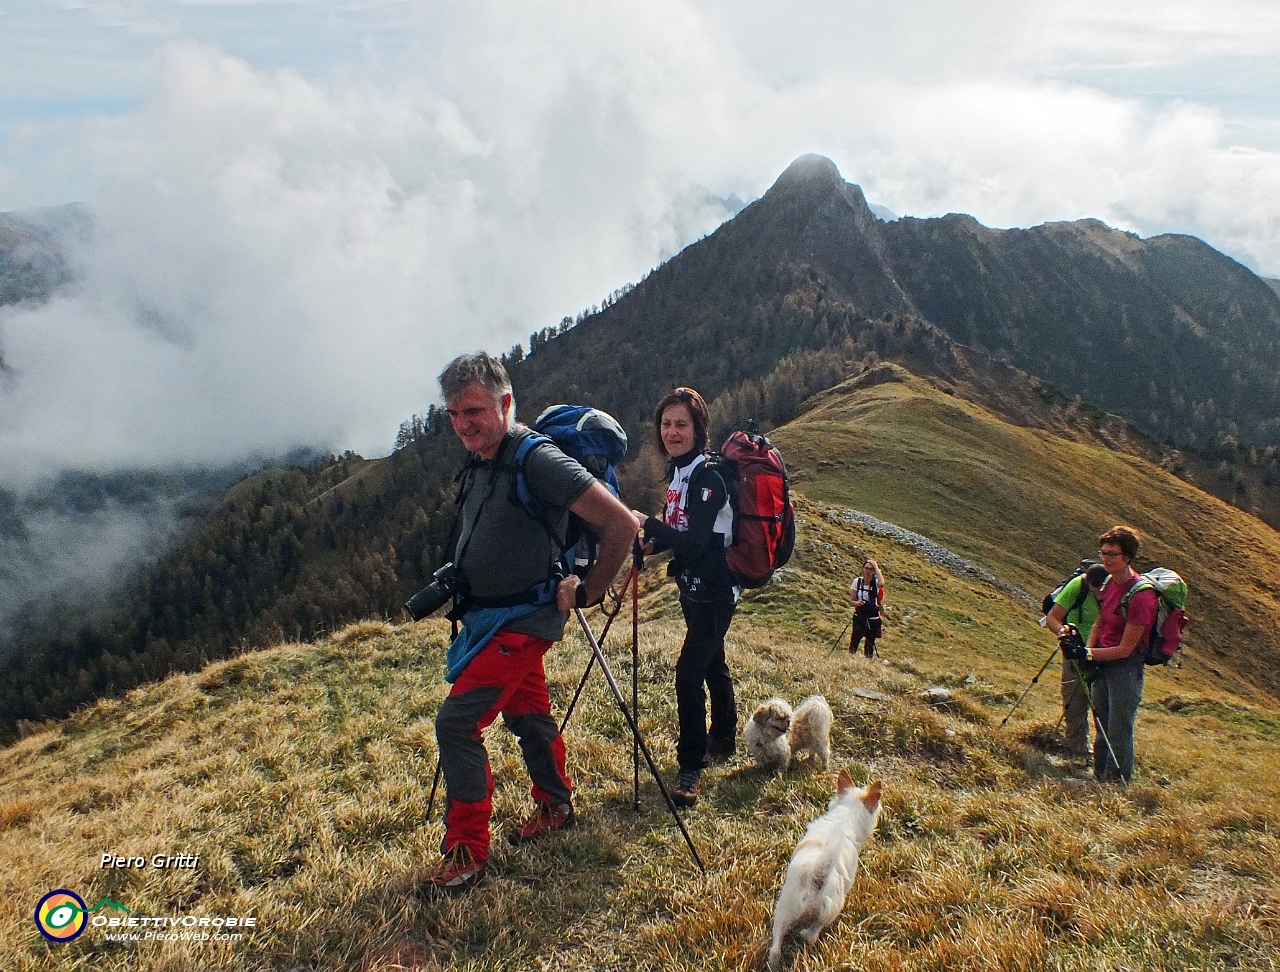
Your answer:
<point x="1115" y="694"/>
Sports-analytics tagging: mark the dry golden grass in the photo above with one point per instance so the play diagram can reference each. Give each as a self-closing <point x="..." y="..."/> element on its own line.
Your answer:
<point x="300" y="775"/>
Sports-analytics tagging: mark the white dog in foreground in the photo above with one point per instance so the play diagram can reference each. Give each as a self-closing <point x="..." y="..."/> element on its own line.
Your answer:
<point x="823" y="865"/>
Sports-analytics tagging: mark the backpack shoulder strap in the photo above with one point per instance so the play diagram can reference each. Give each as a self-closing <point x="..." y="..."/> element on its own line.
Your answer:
<point x="714" y="464"/>
<point x="1081" y="596"/>
<point x="1141" y="584"/>
<point x="520" y="459"/>
<point x="521" y="492"/>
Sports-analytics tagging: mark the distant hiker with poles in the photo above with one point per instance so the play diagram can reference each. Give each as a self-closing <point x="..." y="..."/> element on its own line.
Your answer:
<point x="697" y="525"/>
<point x="1077" y="604"/>
<point x="866" y="596"/>
<point x="1115" y="646"/>
<point x="514" y="604"/>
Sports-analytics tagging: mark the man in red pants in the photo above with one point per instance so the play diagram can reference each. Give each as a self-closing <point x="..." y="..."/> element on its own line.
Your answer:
<point x="517" y="606"/>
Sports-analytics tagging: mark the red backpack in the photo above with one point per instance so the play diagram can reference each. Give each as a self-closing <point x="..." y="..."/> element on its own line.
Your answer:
<point x="764" y="524"/>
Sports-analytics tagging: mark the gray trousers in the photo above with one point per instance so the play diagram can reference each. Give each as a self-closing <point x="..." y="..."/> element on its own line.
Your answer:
<point x="1075" y="708"/>
<point x="1116" y="693"/>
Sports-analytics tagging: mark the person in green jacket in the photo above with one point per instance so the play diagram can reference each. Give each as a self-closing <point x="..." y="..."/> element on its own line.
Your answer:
<point x="1077" y="604"/>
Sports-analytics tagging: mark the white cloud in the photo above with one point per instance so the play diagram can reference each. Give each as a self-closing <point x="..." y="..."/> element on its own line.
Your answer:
<point x="288" y="256"/>
<point x="280" y="263"/>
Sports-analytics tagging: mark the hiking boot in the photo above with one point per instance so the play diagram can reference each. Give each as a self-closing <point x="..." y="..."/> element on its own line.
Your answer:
<point x="546" y="819"/>
<point x="457" y="871"/>
<point x="719" y="750"/>
<point x="688" y="785"/>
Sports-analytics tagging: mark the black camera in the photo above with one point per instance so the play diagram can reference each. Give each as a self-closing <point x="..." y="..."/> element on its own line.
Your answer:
<point x="429" y="600"/>
<point x="1072" y="645"/>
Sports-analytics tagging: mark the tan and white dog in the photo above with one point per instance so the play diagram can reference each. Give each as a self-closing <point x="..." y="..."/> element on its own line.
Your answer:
<point x="811" y="730"/>
<point x="823" y="865"/>
<point x="765" y="735"/>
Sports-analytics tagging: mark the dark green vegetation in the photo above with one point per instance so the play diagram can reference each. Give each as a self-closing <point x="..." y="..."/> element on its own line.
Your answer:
<point x="138" y="510"/>
<point x="286" y="553"/>
<point x="801" y="290"/>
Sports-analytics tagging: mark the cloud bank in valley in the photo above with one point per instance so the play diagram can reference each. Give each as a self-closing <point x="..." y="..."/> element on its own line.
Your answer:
<point x="285" y="257"/>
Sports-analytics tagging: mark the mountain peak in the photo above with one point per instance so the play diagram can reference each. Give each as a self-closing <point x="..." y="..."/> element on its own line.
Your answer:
<point x="812" y="182"/>
<point x="813" y="171"/>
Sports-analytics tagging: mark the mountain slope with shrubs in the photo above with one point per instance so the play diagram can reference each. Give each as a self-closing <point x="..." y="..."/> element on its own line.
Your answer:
<point x="1028" y="505"/>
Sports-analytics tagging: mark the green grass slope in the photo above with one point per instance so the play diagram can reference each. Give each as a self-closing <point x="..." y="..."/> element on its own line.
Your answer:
<point x="1027" y="505"/>
<point x="300" y="775"/>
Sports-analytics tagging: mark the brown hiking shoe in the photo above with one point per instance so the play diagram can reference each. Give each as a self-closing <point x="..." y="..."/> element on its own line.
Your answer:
<point x="456" y="871"/>
<point x="546" y="819"/>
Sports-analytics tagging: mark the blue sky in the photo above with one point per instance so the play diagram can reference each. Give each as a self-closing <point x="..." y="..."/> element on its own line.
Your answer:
<point x="304" y="207"/>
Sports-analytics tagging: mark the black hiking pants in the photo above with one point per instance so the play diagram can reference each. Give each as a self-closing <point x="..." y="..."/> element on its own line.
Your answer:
<point x="702" y="662"/>
<point x="868" y="628"/>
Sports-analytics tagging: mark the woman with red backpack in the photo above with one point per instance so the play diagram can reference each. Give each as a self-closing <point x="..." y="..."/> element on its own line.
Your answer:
<point x="697" y="526"/>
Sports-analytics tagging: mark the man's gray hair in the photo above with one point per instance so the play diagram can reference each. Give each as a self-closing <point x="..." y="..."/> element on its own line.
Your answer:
<point x="481" y="367"/>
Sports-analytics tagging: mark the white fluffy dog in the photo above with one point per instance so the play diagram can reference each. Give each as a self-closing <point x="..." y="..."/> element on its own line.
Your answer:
<point x="775" y="733"/>
<point x="823" y="865"/>
<point x="765" y="735"/>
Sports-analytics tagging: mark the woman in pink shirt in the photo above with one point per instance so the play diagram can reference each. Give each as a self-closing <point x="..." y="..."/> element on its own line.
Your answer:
<point x="1116" y="647"/>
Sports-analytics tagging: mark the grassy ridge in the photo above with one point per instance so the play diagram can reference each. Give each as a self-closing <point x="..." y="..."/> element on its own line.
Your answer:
<point x="300" y="774"/>
<point x="1027" y="505"/>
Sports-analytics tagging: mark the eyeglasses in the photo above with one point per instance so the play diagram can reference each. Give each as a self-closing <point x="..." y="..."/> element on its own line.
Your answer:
<point x="1110" y="554"/>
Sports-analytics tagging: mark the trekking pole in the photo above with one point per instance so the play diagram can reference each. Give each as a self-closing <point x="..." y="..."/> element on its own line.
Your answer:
<point x="637" y="562"/>
<point x="635" y="731"/>
<point x="435" y="782"/>
<point x="592" y="660"/>
<point x="839" y="638"/>
<point x="1029" y="687"/>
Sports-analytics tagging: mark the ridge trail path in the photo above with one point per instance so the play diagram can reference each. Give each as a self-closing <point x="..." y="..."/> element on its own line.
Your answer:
<point x="934" y="553"/>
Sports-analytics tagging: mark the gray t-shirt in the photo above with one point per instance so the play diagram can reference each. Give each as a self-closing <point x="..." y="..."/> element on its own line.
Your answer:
<point x="507" y="551"/>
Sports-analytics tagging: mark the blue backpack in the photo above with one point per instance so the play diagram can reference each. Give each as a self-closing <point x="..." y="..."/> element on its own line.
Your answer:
<point x="595" y="440"/>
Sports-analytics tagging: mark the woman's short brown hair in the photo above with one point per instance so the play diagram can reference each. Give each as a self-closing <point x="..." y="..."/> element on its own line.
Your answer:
<point x="1126" y="538"/>
<point x="698" y="413"/>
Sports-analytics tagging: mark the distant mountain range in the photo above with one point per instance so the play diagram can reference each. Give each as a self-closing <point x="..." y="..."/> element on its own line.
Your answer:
<point x="1166" y="332"/>
<point x="1088" y="333"/>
